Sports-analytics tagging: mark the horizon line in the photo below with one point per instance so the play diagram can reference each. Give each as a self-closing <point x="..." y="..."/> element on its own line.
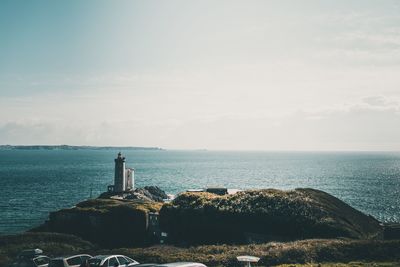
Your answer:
<point x="200" y="149"/>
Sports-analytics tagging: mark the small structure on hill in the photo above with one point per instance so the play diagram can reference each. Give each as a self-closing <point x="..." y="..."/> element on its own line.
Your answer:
<point x="215" y="190"/>
<point x="155" y="235"/>
<point x="123" y="177"/>
<point x="248" y="260"/>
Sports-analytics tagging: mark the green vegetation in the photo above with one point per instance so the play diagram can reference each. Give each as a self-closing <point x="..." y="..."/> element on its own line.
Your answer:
<point x="350" y="264"/>
<point x="109" y="205"/>
<point x="263" y="215"/>
<point x="298" y="252"/>
<point x="53" y="244"/>
<point x="271" y="254"/>
<point x="326" y="229"/>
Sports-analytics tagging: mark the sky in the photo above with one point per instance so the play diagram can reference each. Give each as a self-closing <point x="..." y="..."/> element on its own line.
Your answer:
<point x="218" y="75"/>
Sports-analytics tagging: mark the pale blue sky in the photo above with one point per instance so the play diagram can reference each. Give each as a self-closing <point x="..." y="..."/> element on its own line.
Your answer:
<point x="297" y="75"/>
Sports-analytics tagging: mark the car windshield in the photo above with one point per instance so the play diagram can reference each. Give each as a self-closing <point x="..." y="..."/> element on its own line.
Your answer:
<point x="94" y="262"/>
<point x="130" y="260"/>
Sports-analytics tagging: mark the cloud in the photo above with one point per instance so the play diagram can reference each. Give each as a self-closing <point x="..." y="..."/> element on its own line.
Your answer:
<point x="381" y="101"/>
<point x="369" y="124"/>
<point x="26" y="133"/>
<point x="360" y="126"/>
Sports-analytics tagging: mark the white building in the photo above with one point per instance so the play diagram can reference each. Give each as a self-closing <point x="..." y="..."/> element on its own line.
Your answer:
<point x="130" y="178"/>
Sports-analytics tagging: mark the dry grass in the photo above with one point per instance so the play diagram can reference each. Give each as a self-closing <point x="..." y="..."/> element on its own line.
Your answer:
<point x="106" y="205"/>
<point x="350" y="264"/>
<point x="272" y="253"/>
<point x="375" y="253"/>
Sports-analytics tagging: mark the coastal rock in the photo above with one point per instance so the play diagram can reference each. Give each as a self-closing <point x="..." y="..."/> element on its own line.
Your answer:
<point x="157" y="193"/>
<point x="148" y="193"/>
<point x="263" y="215"/>
<point x="106" y="222"/>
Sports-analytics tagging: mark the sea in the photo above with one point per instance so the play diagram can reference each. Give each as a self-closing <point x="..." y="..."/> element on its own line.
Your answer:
<point x="36" y="182"/>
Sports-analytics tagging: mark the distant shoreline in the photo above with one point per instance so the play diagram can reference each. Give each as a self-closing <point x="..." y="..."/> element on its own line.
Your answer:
<point x="69" y="147"/>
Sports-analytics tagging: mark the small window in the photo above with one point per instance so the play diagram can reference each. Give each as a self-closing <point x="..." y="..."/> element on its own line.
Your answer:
<point x="122" y="260"/>
<point x="41" y="261"/>
<point x="129" y="259"/>
<point x="74" y="261"/>
<point x="83" y="258"/>
<point x="112" y="262"/>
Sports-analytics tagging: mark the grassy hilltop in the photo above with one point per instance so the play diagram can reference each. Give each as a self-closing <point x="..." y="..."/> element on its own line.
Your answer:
<point x="264" y="215"/>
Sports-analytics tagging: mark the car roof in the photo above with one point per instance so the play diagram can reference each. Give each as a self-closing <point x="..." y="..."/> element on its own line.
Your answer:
<point x="107" y="256"/>
<point x="71" y="256"/>
<point x="180" y="264"/>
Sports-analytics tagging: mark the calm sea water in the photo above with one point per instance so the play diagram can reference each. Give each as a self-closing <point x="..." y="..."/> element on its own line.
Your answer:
<point x="33" y="183"/>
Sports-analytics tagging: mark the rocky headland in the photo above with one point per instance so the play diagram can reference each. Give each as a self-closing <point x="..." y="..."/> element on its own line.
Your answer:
<point x="302" y="225"/>
<point x="254" y="216"/>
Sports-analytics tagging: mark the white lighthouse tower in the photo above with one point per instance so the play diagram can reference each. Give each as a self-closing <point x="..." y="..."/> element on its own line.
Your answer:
<point x="123" y="177"/>
<point x="120" y="174"/>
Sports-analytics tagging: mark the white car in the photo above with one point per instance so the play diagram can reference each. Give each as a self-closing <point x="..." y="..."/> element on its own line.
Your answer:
<point x="182" y="264"/>
<point x="70" y="261"/>
<point x="111" y="261"/>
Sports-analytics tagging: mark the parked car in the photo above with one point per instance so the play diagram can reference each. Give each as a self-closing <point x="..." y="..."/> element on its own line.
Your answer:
<point x="31" y="258"/>
<point x="182" y="264"/>
<point x="111" y="261"/>
<point x="70" y="261"/>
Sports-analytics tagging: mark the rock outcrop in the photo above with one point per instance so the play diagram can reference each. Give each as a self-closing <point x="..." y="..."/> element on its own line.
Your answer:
<point x="263" y="215"/>
<point x="148" y="193"/>
<point x="106" y="222"/>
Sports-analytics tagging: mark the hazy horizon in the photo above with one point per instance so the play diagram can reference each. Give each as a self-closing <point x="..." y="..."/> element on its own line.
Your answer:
<point x="211" y="150"/>
<point x="226" y="75"/>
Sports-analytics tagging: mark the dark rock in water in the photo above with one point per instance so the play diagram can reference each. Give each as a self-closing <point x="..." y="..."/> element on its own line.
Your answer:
<point x="263" y="215"/>
<point x="139" y="194"/>
<point x="156" y="192"/>
<point x="148" y="193"/>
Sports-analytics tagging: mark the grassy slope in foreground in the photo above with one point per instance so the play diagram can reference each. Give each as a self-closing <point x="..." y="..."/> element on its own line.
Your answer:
<point x="350" y="264"/>
<point x="269" y="214"/>
<point x="272" y="253"/>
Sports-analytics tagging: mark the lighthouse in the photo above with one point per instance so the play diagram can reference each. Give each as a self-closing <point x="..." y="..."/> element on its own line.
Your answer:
<point x="120" y="174"/>
<point x="124" y="178"/>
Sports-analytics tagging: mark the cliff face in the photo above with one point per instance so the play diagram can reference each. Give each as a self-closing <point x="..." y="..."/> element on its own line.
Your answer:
<point x="107" y="222"/>
<point x="263" y="215"/>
